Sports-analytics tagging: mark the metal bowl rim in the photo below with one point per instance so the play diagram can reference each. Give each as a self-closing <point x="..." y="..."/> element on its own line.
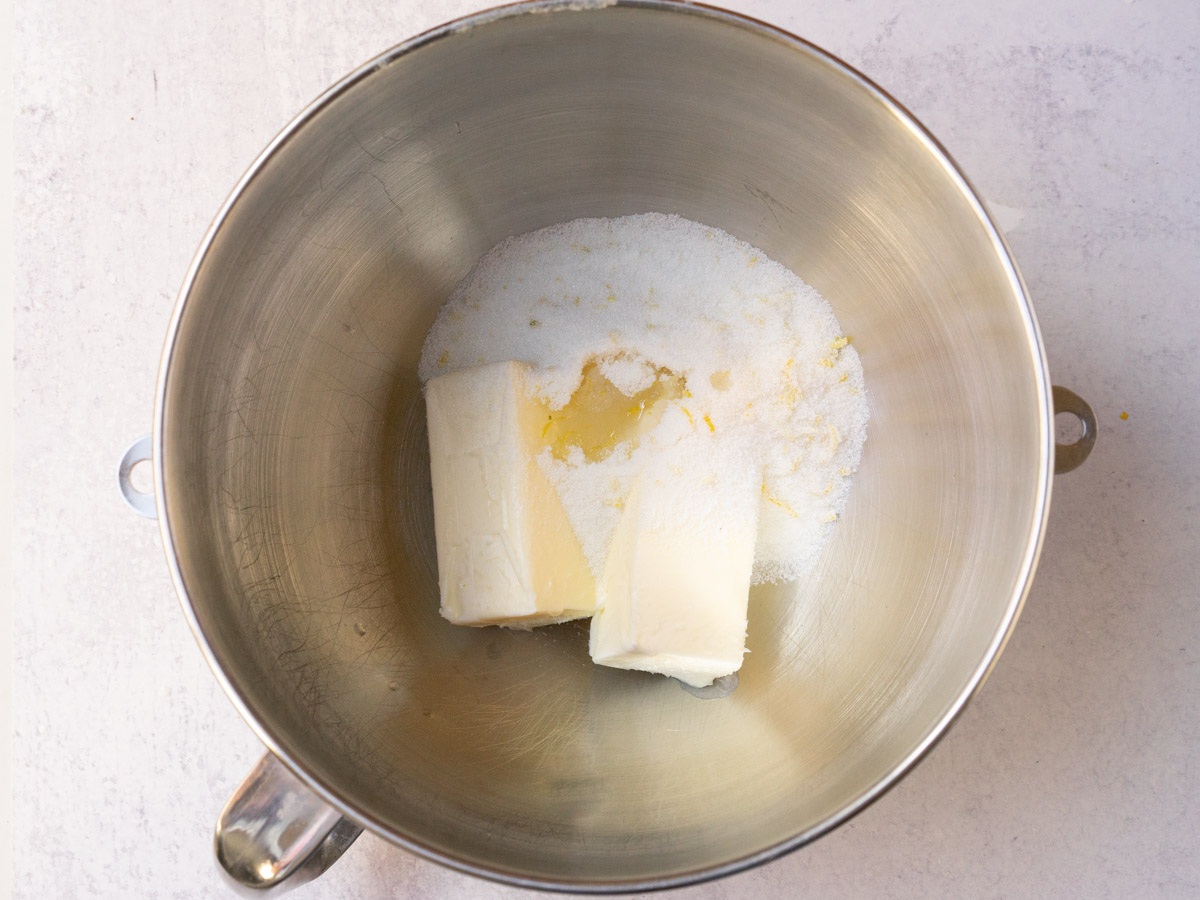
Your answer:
<point x="1029" y="559"/>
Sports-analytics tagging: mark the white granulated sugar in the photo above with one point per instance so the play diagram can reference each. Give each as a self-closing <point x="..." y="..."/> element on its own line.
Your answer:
<point x="774" y="387"/>
<point x="628" y="374"/>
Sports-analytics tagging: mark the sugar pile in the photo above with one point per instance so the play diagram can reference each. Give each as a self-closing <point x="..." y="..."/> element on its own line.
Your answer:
<point x="773" y="387"/>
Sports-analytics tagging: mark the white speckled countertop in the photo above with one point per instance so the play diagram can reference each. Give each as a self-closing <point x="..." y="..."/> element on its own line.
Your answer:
<point x="1076" y="772"/>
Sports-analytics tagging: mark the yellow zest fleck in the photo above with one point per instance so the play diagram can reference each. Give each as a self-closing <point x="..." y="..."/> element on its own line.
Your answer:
<point x="1124" y="416"/>
<point x="829" y="488"/>
<point x="843" y="470"/>
<point x="504" y="287"/>
<point x="787" y="509"/>
<point x="546" y="427"/>
<point x="841" y="342"/>
<point x="611" y="298"/>
<point x="444" y="359"/>
<point x="752" y="261"/>
<point x="581" y="247"/>
<point x="827" y="363"/>
<point x="711" y="426"/>
<point x="576" y="301"/>
<point x="843" y="378"/>
<point x="688" y="414"/>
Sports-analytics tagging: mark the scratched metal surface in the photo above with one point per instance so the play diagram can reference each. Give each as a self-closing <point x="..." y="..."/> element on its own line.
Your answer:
<point x="295" y="456"/>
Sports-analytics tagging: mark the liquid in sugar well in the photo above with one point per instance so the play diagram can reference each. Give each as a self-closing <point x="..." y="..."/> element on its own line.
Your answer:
<point x="599" y="417"/>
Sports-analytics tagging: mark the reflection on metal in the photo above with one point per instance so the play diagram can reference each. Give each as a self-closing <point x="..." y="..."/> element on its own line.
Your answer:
<point x="275" y="834"/>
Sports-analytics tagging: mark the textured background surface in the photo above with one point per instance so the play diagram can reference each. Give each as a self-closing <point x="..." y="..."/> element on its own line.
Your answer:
<point x="1076" y="770"/>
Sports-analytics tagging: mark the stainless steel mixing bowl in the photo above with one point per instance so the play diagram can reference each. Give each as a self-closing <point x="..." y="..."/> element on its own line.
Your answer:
<point x="292" y="471"/>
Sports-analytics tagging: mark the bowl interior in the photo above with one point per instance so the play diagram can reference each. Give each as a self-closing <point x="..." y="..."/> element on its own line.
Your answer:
<point x="294" y="461"/>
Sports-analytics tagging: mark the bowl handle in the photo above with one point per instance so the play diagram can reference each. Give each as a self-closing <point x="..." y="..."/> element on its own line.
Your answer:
<point x="139" y="451"/>
<point x="275" y="834"/>
<point x="1071" y="456"/>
